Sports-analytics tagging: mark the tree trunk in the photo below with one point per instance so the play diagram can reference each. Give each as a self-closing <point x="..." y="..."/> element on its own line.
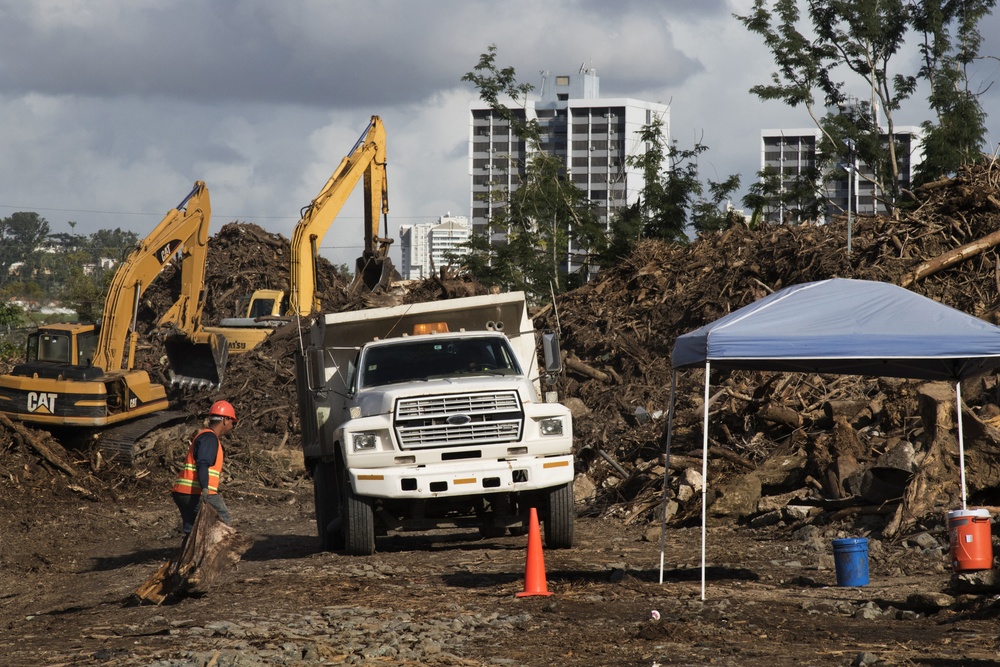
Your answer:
<point x="211" y="549"/>
<point x="940" y="262"/>
<point x="936" y="481"/>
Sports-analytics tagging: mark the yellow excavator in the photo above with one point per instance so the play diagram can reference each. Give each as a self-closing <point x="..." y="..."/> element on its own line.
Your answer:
<point x="373" y="270"/>
<point x="188" y="355"/>
<point x="83" y="375"/>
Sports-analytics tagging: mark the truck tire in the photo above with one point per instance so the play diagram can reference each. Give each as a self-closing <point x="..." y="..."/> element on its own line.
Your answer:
<point x="358" y="523"/>
<point x="560" y="516"/>
<point x="326" y="499"/>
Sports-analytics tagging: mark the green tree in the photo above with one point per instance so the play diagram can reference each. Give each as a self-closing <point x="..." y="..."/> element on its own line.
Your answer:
<point x="859" y="36"/>
<point x="670" y="183"/>
<point x="528" y="243"/>
<point x="111" y="243"/>
<point x="671" y="200"/>
<point x="85" y="293"/>
<point x="21" y="238"/>
<point x="10" y="317"/>
<point x="957" y="138"/>
<point x="714" y="214"/>
<point x="794" y="199"/>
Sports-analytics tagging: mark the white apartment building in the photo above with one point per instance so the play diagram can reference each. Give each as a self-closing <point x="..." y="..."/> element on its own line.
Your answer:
<point x="592" y="135"/>
<point x="424" y="246"/>
<point x="793" y="152"/>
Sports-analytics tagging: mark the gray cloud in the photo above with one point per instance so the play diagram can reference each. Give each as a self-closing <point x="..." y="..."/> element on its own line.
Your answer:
<point x="110" y="109"/>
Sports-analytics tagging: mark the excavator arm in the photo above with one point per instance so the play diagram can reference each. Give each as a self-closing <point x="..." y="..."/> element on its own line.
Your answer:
<point x="198" y="356"/>
<point x="192" y="227"/>
<point x="183" y="230"/>
<point x="366" y="160"/>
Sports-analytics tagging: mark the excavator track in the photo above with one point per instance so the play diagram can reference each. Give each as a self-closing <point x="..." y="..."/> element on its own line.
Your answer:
<point x="120" y="440"/>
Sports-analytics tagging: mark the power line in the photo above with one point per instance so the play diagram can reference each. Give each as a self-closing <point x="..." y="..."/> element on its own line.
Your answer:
<point x="36" y="209"/>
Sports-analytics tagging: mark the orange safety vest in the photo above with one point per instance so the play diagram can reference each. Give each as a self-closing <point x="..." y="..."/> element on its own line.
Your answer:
<point x="187" y="482"/>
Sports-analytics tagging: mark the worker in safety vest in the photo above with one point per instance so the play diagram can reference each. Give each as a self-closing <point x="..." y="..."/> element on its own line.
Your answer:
<point x="199" y="478"/>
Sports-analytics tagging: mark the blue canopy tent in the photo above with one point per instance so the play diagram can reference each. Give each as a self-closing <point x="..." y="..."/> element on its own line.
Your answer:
<point x="839" y="326"/>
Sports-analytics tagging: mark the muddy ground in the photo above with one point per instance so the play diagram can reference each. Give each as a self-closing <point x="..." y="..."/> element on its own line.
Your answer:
<point x="69" y="565"/>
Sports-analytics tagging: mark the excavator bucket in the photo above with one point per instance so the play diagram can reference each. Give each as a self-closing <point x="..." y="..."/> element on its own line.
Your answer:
<point x="371" y="274"/>
<point x="198" y="364"/>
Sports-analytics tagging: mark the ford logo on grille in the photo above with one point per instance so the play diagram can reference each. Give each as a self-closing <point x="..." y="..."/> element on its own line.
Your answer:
<point x="459" y="420"/>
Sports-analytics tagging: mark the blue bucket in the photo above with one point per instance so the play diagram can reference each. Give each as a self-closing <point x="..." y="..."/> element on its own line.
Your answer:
<point x="851" y="558"/>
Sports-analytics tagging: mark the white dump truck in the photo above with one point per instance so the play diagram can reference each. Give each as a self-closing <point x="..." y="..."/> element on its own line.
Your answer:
<point x="431" y="415"/>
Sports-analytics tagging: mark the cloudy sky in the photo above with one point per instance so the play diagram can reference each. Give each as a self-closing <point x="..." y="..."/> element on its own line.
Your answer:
<point x="111" y="109"/>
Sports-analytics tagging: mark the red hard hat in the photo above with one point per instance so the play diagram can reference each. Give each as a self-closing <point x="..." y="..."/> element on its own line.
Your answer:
<point x="222" y="409"/>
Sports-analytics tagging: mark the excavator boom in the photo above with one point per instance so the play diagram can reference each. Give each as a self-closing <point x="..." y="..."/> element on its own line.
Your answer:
<point x="195" y="356"/>
<point x="181" y="230"/>
<point x="367" y="161"/>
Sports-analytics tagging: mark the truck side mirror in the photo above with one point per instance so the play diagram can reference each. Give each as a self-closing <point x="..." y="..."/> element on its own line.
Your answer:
<point x="550" y="350"/>
<point x="314" y="369"/>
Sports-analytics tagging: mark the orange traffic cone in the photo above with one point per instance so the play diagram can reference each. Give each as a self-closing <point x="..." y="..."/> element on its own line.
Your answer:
<point x="534" y="570"/>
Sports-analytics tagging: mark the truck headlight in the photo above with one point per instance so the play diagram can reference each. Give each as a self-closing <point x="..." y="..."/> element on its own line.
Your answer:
<point x="364" y="441"/>
<point x="553" y="426"/>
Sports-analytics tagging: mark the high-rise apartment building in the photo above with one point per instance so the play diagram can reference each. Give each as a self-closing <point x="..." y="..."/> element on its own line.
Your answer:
<point x="425" y="246"/>
<point x="593" y="136"/>
<point x="792" y="154"/>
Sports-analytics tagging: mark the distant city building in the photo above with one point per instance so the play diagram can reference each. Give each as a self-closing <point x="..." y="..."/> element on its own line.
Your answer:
<point x="792" y="154"/>
<point x="424" y="246"/>
<point x="103" y="264"/>
<point x="593" y="137"/>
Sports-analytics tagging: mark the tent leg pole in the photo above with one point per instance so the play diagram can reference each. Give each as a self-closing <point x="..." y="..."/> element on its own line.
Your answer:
<point x="704" y="478"/>
<point x="961" y="439"/>
<point x="666" y="469"/>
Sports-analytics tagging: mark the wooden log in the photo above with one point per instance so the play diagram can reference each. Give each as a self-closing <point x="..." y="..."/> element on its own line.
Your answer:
<point x="779" y="414"/>
<point x="949" y="258"/>
<point x="843" y="408"/>
<point x="574" y="364"/>
<point x="732" y="457"/>
<point x="933" y="483"/>
<point x="49" y="449"/>
<point x="211" y="549"/>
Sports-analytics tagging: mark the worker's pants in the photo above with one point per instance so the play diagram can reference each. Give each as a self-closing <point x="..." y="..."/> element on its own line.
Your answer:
<point x="188" y="504"/>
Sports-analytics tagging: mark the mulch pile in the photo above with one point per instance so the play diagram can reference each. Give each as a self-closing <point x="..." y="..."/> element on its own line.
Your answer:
<point x="620" y="328"/>
<point x="617" y="333"/>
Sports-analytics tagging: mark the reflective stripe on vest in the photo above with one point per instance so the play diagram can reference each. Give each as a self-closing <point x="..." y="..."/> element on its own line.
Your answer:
<point x="187" y="481"/>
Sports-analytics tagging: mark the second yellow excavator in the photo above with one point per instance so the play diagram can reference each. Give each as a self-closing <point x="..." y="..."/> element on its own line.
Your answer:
<point x="189" y="356"/>
<point x="374" y="269"/>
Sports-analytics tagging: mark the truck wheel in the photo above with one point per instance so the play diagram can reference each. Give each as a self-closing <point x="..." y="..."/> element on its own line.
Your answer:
<point x="359" y="523"/>
<point x="559" y="520"/>
<point x="326" y="500"/>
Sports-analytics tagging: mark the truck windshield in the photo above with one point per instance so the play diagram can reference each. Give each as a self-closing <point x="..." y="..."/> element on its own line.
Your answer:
<point x="431" y="358"/>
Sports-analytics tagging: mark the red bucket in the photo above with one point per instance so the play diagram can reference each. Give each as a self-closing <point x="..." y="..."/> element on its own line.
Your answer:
<point x="971" y="541"/>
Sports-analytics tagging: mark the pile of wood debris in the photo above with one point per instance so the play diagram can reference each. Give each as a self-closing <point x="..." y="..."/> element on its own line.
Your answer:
<point x="784" y="447"/>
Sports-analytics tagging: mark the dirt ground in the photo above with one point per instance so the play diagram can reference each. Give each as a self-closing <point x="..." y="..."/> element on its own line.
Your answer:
<point x="69" y="566"/>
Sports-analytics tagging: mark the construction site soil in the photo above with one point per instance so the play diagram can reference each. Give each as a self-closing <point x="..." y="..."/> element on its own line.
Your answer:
<point x="793" y="461"/>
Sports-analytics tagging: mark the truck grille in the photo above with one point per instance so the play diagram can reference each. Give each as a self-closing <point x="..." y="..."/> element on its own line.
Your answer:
<point x="458" y="419"/>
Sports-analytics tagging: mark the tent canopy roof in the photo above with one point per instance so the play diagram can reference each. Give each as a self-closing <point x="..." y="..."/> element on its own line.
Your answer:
<point x="844" y="326"/>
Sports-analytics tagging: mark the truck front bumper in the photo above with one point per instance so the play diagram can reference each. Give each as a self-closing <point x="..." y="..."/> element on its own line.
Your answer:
<point x="462" y="478"/>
